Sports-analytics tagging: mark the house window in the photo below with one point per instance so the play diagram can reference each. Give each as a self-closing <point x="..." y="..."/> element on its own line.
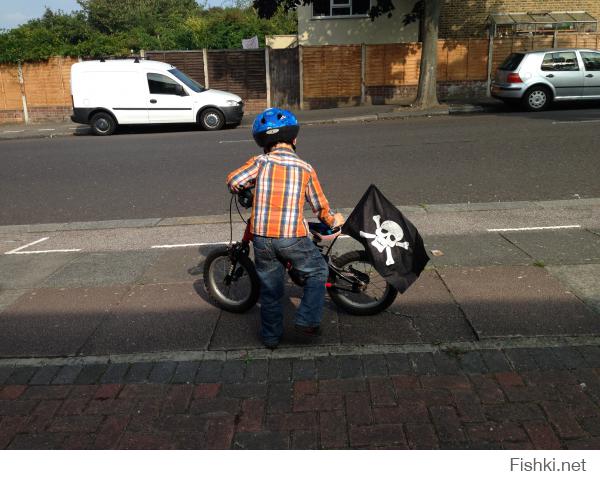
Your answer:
<point x="340" y="8"/>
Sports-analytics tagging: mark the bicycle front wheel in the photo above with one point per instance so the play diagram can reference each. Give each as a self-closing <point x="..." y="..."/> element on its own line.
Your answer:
<point x="234" y="290"/>
<point x="376" y="294"/>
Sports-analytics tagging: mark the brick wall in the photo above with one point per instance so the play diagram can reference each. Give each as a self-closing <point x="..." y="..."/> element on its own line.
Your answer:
<point x="467" y="18"/>
<point x="447" y="90"/>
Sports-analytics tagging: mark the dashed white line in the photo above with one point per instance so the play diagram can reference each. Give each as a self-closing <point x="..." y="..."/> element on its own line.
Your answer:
<point x="46" y="129"/>
<point x="183" y="245"/>
<point x="32" y="252"/>
<point x="13" y="131"/>
<point x="523" y="229"/>
<point x="577" y="121"/>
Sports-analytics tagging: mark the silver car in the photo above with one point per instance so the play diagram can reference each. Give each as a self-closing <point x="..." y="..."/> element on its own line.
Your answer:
<point x="535" y="79"/>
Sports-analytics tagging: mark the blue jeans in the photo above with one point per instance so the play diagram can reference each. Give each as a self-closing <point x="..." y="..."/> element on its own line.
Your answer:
<point x="304" y="256"/>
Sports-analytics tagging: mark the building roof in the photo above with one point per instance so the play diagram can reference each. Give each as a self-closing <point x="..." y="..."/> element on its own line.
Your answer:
<point x="543" y="18"/>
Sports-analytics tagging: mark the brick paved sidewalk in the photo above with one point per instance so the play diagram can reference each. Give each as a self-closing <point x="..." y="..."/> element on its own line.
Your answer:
<point x="542" y="398"/>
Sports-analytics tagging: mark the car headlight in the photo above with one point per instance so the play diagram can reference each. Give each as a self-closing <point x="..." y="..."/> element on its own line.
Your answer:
<point x="232" y="103"/>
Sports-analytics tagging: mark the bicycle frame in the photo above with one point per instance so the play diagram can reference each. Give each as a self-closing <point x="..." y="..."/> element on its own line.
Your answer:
<point x="354" y="279"/>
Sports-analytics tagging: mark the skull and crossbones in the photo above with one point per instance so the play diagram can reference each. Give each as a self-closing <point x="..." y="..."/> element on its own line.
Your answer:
<point x="387" y="235"/>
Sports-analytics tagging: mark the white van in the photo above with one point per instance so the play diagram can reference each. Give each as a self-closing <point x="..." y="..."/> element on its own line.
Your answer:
<point x="108" y="93"/>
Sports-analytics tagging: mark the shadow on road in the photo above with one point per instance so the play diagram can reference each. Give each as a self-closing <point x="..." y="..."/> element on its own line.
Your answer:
<point x="557" y="111"/>
<point x="144" y="129"/>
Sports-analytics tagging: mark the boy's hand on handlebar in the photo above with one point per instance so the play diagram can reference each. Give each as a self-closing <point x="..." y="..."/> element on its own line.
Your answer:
<point x="338" y="220"/>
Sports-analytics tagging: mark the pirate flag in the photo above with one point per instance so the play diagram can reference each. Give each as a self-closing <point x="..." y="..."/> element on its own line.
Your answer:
<point x="391" y="241"/>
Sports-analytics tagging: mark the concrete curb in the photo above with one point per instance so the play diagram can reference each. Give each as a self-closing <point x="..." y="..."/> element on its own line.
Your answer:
<point x="224" y="218"/>
<point x="33" y="134"/>
<point x="391" y="115"/>
<point x="307" y="353"/>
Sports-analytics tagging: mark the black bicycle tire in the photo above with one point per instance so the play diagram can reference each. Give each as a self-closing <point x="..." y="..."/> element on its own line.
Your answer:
<point x="254" y="282"/>
<point x="339" y="299"/>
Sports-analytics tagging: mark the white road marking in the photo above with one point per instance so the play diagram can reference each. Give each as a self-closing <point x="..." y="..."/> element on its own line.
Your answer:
<point x="18" y="251"/>
<point x="234" y="141"/>
<point x="183" y="245"/>
<point x="25" y="246"/>
<point x="206" y="244"/>
<point x="30" y="252"/>
<point x="523" y="229"/>
<point x="13" y="131"/>
<point x="46" y="129"/>
<point x="577" y="121"/>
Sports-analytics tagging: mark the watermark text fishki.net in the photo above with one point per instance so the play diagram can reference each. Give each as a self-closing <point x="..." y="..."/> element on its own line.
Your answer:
<point x="523" y="464"/>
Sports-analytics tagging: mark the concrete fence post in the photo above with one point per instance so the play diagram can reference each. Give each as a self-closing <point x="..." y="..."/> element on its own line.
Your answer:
<point x="301" y="73"/>
<point x="492" y="35"/>
<point x="268" y="74"/>
<point x="363" y="74"/>
<point x="23" y="96"/>
<point x="205" y="63"/>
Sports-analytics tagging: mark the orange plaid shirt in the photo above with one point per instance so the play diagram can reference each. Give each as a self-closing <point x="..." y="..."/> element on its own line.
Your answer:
<point x="283" y="182"/>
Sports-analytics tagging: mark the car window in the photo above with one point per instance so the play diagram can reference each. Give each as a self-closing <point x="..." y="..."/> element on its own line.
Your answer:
<point x="512" y="62"/>
<point x="591" y="60"/>
<point x="161" y="84"/>
<point x="560" y="62"/>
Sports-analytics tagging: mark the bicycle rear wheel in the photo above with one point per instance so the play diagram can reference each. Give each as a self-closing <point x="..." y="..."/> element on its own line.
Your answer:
<point x="373" y="298"/>
<point x="238" y="294"/>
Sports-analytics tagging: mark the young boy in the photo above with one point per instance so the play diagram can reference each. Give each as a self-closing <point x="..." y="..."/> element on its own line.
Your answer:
<point x="283" y="182"/>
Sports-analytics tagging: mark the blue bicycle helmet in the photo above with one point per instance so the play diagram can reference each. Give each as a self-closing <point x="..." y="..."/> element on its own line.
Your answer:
<point x="275" y="125"/>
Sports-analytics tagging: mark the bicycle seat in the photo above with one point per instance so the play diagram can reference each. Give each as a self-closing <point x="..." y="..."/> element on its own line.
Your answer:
<point x="322" y="232"/>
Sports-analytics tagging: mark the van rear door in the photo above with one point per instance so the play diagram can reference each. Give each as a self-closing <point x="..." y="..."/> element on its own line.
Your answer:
<point x="168" y="101"/>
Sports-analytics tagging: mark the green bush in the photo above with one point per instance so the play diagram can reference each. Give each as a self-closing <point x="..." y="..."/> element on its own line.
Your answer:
<point x="109" y="27"/>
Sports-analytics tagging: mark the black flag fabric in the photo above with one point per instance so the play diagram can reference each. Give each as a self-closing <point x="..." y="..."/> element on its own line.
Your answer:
<point x="391" y="241"/>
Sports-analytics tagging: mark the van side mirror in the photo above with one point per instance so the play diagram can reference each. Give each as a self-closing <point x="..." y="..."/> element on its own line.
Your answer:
<point x="180" y="91"/>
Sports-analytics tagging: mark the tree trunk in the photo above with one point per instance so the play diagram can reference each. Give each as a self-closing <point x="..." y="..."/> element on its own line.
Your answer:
<point x="427" y="91"/>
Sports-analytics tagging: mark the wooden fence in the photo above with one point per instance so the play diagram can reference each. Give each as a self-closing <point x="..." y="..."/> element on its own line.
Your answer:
<point x="316" y="76"/>
<point x="237" y="71"/>
<point x="334" y="73"/>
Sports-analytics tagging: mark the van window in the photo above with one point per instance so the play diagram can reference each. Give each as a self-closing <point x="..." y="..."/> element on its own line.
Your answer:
<point x="161" y="84"/>
<point x="512" y="62"/>
<point x="560" y="62"/>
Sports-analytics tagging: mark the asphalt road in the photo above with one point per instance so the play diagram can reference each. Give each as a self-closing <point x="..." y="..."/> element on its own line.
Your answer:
<point x="170" y="172"/>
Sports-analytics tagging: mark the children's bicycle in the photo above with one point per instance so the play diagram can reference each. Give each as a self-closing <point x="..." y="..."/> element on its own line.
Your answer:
<point x="353" y="283"/>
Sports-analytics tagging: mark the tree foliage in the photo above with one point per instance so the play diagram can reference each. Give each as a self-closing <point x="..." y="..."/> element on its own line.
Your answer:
<point x="111" y="27"/>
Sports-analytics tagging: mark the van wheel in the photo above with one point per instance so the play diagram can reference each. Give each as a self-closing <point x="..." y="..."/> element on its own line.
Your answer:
<point x="212" y="119"/>
<point x="537" y="98"/>
<point x="103" y="124"/>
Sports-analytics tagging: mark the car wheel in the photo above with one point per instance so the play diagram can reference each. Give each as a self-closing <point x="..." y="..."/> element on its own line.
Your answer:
<point x="212" y="119"/>
<point x="103" y="124"/>
<point x="537" y="98"/>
